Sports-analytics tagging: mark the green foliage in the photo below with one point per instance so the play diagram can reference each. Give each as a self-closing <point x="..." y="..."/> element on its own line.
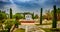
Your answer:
<point x="16" y="22"/>
<point x="58" y="10"/>
<point x="2" y="16"/>
<point x="8" y="24"/>
<point x="18" y="16"/>
<point x="3" y="30"/>
<point x="58" y="14"/>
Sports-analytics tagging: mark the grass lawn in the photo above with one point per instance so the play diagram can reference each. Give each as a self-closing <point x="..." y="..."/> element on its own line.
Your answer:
<point x="0" y="26"/>
<point x="43" y="24"/>
<point x="20" y="30"/>
<point x="49" y="29"/>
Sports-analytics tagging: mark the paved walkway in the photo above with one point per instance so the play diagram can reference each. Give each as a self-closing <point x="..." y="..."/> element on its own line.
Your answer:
<point x="15" y="29"/>
<point x="32" y="28"/>
<point x="35" y="29"/>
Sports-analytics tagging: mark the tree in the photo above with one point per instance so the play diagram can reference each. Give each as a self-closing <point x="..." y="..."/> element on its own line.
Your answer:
<point x="36" y="16"/>
<point x="8" y="24"/>
<point x="48" y="15"/>
<point x="10" y="13"/>
<point x="33" y="16"/>
<point x="2" y="16"/>
<point x="41" y="15"/>
<point x="54" y="24"/>
<point x="58" y="14"/>
<point x="19" y="16"/>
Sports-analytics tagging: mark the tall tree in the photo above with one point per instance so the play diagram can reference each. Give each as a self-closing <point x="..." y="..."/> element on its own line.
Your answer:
<point x="54" y="24"/>
<point x="33" y="15"/>
<point x="10" y="13"/>
<point x="41" y="15"/>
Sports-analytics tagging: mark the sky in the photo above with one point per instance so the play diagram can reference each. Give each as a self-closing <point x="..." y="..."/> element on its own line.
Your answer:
<point x="20" y="6"/>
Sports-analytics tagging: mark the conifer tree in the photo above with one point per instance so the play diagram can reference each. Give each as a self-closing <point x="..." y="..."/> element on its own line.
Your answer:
<point x="54" y="24"/>
<point x="10" y="13"/>
<point x="41" y="15"/>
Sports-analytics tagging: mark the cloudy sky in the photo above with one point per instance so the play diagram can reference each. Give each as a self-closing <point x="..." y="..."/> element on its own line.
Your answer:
<point x="27" y="5"/>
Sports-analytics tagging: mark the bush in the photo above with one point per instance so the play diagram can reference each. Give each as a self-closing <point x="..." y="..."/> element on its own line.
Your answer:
<point x="4" y="31"/>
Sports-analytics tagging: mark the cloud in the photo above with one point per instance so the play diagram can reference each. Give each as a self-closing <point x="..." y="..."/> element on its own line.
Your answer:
<point x="16" y="9"/>
<point x="4" y="0"/>
<point x="22" y="0"/>
<point x="13" y="6"/>
<point x="28" y="5"/>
